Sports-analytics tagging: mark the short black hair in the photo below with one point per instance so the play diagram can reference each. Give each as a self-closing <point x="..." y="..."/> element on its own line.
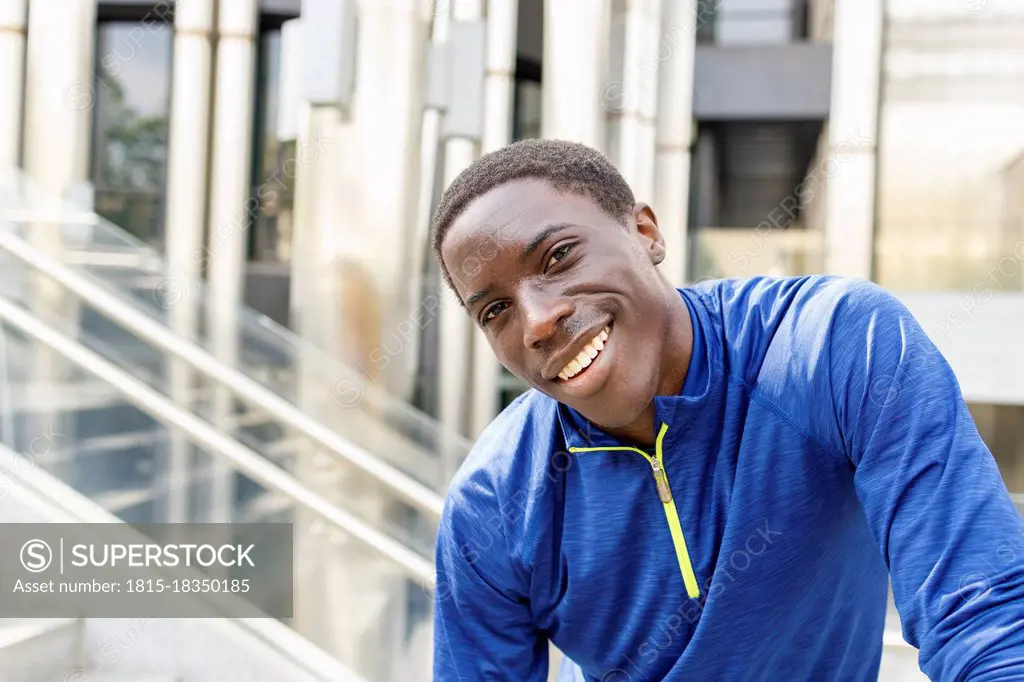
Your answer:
<point x="569" y="167"/>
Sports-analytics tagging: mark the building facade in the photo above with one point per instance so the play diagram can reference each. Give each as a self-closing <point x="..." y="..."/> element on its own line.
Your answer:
<point x="875" y="138"/>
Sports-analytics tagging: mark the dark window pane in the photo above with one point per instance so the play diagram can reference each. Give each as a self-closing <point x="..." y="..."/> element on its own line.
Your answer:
<point x="273" y="188"/>
<point x="526" y="118"/>
<point x="129" y="155"/>
<point x="1002" y="429"/>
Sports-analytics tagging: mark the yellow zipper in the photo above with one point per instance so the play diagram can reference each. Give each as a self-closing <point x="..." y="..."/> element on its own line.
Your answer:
<point x="671" y="513"/>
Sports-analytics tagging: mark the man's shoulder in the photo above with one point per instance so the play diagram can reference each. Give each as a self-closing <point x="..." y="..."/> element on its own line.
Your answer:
<point x="510" y="455"/>
<point x="784" y="337"/>
<point x="791" y="316"/>
<point x="768" y="299"/>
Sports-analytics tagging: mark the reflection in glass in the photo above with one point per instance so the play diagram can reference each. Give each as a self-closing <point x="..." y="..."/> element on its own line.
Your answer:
<point x="275" y="167"/>
<point x="751" y="22"/>
<point x="274" y="182"/>
<point x="129" y="156"/>
<point x="951" y="153"/>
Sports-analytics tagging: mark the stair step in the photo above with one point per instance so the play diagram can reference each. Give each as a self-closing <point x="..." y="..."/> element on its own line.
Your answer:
<point x="35" y="649"/>
<point x="26" y="629"/>
<point x="265" y="506"/>
<point x="67" y="396"/>
<point x="83" y="675"/>
<point x="116" y="501"/>
<point x="118" y="441"/>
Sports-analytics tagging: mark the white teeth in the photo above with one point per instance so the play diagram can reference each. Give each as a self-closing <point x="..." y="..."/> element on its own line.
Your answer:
<point x="585" y="356"/>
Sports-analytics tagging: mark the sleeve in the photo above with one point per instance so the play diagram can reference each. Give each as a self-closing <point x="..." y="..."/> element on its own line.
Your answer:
<point x="932" y="493"/>
<point x="483" y="626"/>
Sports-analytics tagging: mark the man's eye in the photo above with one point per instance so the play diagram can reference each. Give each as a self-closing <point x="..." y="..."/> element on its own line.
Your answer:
<point x="558" y="254"/>
<point x="492" y="312"/>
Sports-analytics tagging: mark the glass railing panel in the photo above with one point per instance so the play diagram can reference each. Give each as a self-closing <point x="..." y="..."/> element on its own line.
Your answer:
<point x="266" y="352"/>
<point x="256" y="429"/>
<point x="349" y="598"/>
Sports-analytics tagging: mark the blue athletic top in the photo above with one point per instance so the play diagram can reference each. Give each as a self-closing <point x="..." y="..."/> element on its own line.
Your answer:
<point x="819" y="447"/>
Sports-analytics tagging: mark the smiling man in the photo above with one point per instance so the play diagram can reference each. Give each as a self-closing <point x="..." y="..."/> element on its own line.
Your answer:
<point x="708" y="483"/>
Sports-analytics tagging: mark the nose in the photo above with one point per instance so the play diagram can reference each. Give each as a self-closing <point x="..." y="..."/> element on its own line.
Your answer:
<point x="542" y="313"/>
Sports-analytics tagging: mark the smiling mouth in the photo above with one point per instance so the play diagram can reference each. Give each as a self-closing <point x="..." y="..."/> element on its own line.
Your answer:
<point x="585" y="357"/>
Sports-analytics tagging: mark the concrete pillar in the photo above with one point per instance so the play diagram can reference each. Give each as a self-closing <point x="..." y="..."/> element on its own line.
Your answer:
<point x="673" y="59"/>
<point x="499" y="86"/>
<point x="187" y="191"/>
<point x="12" y="75"/>
<point x="853" y="133"/>
<point x="576" y="41"/>
<point x="630" y="97"/>
<point x="230" y="207"/>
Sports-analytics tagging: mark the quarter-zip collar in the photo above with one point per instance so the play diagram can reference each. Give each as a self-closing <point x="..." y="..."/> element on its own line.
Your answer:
<point x="678" y="411"/>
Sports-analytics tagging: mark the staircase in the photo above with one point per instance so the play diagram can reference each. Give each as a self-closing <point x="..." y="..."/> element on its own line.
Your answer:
<point x="130" y="402"/>
<point x="61" y="650"/>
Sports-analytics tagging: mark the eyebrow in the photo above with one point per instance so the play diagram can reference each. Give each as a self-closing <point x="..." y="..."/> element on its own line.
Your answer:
<point x="477" y="295"/>
<point x="540" y="238"/>
<point x="530" y="248"/>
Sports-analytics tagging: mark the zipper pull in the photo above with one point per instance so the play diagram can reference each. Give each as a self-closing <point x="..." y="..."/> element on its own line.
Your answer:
<point x="661" y="480"/>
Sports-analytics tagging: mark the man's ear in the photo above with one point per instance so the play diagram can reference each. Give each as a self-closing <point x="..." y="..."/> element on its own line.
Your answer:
<point x="649" y="232"/>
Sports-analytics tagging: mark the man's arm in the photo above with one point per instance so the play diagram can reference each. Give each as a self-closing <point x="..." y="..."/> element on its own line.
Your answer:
<point x="935" y="501"/>
<point x="483" y="627"/>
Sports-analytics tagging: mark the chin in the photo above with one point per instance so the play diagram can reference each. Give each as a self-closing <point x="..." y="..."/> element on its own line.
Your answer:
<point x="618" y="413"/>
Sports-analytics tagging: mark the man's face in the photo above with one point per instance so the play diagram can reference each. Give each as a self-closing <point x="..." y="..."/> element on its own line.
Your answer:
<point x="568" y="297"/>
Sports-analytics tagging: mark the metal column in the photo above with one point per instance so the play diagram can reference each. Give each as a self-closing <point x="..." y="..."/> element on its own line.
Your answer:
<point x="630" y="97"/>
<point x="576" y="41"/>
<point x="462" y="128"/>
<point x="12" y="74"/>
<point x="229" y="218"/>
<point x="59" y="99"/>
<point x="853" y="126"/>
<point x="499" y="85"/>
<point x="673" y="58"/>
<point x="187" y="191"/>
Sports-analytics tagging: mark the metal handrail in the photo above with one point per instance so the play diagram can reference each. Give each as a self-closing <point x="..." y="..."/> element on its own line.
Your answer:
<point x="418" y="495"/>
<point x="73" y="507"/>
<point x="217" y="443"/>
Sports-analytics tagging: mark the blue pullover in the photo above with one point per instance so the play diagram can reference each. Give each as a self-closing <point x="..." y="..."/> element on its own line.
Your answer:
<point x="819" y="447"/>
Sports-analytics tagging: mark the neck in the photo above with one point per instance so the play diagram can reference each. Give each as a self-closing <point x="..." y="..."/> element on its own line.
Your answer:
<point x="677" y="339"/>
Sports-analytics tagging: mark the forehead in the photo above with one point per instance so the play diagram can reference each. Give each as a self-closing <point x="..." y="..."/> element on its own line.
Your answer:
<point x="510" y="215"/>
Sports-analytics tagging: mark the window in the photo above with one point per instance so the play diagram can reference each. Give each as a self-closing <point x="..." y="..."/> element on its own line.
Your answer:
<point x="951" y="150"/>
<point x="273" y="181"/>
<point x="1002" y="429"/>
<point x="751" y="22"/>
<point x="756" y="187"/>
<point x="526" y="114"/>
<point x="129" y="147"/>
